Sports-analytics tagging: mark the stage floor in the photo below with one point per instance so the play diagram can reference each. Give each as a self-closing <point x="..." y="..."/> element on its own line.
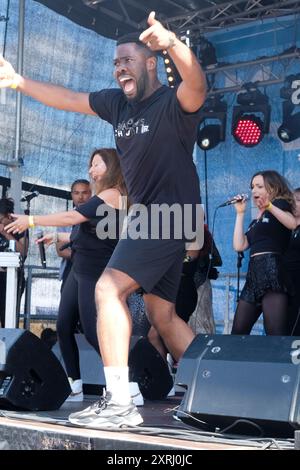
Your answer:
<point x="21" y="430"/>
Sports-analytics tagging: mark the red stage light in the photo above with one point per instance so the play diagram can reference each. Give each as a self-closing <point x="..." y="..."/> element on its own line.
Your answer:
<point x="248" y="130"/>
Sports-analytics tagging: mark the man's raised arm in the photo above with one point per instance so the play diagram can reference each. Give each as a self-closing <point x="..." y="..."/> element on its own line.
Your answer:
<point x="48" y="94"/>
<point x="191" y="92"/>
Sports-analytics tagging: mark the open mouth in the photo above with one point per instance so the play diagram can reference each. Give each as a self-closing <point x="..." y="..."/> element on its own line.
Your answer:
<point x="127" y="84"/>
<point x="256" y="199"/>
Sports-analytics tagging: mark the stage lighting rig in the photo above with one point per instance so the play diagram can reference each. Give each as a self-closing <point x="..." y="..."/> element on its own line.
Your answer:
<point x="212" y="128"/>
<point x="289" y="130"/>
<point x="205" y="51"/>
<point x="251" y="119"/>
<point x="173" y="76"/>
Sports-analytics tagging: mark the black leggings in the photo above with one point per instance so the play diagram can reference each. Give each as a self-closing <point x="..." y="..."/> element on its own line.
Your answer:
<point x="274" y="307"/>
<point x="294" y="305"/>
<point x="77" y="303"/>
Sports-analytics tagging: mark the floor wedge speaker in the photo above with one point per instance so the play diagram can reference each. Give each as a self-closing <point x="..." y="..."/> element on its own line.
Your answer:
<point x="150" y="370"/>
<point x="31" y="377"/>
<point x="241" y="384"/>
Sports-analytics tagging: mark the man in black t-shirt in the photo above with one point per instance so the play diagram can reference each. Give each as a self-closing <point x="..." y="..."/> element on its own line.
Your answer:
<point x="155" y="130"/>
<point x="80" y="192"/>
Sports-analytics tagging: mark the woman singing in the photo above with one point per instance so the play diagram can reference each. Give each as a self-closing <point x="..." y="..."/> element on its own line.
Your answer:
<point x="267" y="285"/>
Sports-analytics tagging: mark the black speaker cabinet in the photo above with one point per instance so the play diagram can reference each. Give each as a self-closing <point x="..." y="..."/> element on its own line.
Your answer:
<point x="149" y="370"/>
<point x="242" y="384"/>
<point x="31" y="377"/>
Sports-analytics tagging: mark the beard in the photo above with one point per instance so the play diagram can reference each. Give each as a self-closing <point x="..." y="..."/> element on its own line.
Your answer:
<point x="141" y="88"/>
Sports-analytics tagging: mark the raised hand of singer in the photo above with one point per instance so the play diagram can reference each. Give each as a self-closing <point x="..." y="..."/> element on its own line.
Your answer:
<point x="19" y="225"/>
<point x="7" y="73"/>
<point x="240" y="206"/>
<point x="156" y="37"/>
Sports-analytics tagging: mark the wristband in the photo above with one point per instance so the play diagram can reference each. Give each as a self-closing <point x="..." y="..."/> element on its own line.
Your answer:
<point x="15" y="82"/>
<point x="31" y="223"/>
<point x="268" y="207"/>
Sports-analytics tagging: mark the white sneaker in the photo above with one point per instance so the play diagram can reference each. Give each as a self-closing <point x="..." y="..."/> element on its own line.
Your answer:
<point x="170" y="362"/>
<point x="77" y="393"/>
<point x="135" y="394"/>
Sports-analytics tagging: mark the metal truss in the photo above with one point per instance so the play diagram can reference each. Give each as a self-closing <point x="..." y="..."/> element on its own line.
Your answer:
<point x="286" y="59"/>
<point x="205" y="19"/>
<point x="233" y="13"/>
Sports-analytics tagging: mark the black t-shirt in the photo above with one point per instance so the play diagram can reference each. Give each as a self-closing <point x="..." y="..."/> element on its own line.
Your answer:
<point x="90" y="253"/>
<point x="267" y="234"/>
<point x="155" y="140"/>
<point x="292" y="254"/>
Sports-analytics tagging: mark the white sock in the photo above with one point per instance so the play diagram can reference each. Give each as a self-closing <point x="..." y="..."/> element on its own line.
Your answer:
<point x="117" y="383"/>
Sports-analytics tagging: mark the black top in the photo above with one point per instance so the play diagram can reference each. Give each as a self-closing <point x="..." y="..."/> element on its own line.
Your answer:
<point x="292" y="254"/>
<point x="267" y="234"/>
<point x="4" y="242"/>
<point x="155" y="140"/>
<point x="91" y="248"/>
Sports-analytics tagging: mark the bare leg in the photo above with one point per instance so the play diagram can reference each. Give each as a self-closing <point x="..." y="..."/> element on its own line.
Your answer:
<point x="157" y="342"/>
<point x="114" y="319"/>
<point x="175" y="333"/>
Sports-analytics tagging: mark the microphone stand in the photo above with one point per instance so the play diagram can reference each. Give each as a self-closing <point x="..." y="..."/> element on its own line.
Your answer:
<point x="26" y="322"/>
<point x="240" y="256"/>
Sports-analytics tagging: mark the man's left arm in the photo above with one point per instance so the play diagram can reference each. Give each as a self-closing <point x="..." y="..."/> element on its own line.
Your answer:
<point x="191" y="92"/>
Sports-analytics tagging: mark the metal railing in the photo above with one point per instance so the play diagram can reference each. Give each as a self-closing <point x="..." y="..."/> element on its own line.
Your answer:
<point x="41" y="273"/>
<point x="227" y="282"/>
<point x="223" y="289"/>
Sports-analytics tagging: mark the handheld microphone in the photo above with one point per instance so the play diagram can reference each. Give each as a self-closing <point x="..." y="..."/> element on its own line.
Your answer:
<point x="29" y="196"/>
<point x="243" y="197"/>
<point x="40" y="234"/>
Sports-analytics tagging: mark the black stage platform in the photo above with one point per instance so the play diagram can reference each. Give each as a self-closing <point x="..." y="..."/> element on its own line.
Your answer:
<point x="21" y="430"/>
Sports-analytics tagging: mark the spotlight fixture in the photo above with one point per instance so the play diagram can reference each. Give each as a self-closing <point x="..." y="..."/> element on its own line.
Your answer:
<point x="205" y="51"/>
<point x="209" y="136"/>
<point x="212" y="126"/>
<point x="251" y="119"/>
<point x="173" y="76"/>
<point x="289" y="130"/>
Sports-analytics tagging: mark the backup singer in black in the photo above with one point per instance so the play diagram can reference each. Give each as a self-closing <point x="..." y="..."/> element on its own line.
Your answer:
<point x="90" y="255"/>
<point x="292" y="262"/>
<point x="6" y="209"/>
<point x="267" y="285"/>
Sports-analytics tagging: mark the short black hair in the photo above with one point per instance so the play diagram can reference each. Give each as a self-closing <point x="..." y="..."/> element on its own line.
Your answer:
<point x="6" y="206"/>
<point x="80" y="181"/>
<point x="135" y="38"/>
<point x="130" y="37"/>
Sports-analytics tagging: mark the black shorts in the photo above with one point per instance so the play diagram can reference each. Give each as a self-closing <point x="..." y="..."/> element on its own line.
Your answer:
<point x="155" y="265"/>
<point x="266" y="273"/>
